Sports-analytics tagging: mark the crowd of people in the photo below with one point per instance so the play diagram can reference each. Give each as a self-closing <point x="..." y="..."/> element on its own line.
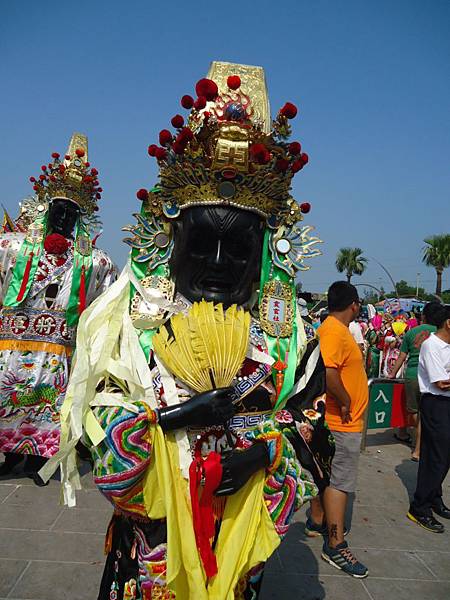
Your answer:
<point x="415" y="349"/>
<point x="209" y="406"/>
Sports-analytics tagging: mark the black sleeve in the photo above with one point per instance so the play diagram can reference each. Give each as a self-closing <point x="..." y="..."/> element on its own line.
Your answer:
<point x="309" y="434"/>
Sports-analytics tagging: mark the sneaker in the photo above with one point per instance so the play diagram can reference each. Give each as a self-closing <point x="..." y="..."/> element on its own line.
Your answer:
<point x="441" y="510"/>
<point x="428" y="522"/>
<point x="313" y="529"/>
<point x="342" y="558"/>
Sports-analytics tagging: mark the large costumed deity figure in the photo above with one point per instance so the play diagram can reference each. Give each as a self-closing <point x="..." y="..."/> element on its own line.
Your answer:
<point x="195" y="385"/>
<point x="49" y="272"/>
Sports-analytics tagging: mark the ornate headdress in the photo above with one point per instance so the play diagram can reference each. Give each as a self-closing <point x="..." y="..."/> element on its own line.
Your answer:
<point x="71" y="178"/>
<point x="74" y="180"/>
<point x="229" y="153"/>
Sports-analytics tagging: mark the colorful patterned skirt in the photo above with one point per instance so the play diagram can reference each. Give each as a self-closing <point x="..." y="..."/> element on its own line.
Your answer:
<point x="136" y="564"/>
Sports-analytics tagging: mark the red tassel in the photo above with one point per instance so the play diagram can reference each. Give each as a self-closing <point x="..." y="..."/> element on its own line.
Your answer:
<point x="82" y="294"/>
<point x="202" y="507"/>
<point x="26" y="277"/>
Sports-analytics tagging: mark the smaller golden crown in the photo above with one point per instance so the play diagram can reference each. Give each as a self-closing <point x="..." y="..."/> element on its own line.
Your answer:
<point x="71" y="178"/>
<point x="229" y="153"/>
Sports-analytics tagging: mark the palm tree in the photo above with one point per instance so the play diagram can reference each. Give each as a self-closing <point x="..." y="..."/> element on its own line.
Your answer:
<point x="437" y="254"/>
<point x="351" y="261"/>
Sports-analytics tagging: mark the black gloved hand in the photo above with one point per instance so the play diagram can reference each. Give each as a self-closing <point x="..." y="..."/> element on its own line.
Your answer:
<point x="208" y="408"/>
<point x="239" y="466"/>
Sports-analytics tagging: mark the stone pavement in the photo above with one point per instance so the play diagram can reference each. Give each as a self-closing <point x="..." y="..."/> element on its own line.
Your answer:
<point x="52" y="553"/>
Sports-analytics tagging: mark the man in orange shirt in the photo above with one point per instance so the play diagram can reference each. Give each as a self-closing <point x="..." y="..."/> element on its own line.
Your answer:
<point x="347" y="398"/>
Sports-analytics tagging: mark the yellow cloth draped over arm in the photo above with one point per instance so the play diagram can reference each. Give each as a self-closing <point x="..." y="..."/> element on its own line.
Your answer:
<point x="247" y="535"/>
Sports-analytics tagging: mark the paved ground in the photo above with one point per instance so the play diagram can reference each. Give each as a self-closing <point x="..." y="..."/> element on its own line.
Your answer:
<point x="52" y="553"/>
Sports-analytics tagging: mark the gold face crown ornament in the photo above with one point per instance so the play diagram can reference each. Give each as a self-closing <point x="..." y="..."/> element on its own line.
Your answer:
<point x="229" y="153"/>
<point x="71" y="178"/>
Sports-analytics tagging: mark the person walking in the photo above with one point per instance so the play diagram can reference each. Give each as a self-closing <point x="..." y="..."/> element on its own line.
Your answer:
<point x="347" y="398"/>
<point x="410" y="349"/>
<point x="434" y="383"/>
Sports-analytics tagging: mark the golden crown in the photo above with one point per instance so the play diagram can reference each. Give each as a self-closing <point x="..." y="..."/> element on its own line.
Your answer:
<point x="229" y="153"/>
<point x="71" y="178"/>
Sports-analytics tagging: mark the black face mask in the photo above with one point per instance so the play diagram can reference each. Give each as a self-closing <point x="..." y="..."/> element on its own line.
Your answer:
<point x="217" y="254"/>
<point x="62" y="216"/>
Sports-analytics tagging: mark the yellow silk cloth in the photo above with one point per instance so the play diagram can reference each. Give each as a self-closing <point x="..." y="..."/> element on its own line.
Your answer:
<point x="247" y="535"/>
<point x="33" y="346"/>
<point x="107" y="344"/>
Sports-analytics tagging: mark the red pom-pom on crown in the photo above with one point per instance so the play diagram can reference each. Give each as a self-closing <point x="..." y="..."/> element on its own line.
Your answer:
<point x="260" y="154"/>
<point x="165" y="137"/>
<point x="177" y="121"/>
<point x="187" y="102"/>
<point x="207" y="88"/>
<point x="289" y="110"/>
<point x="234" y="82"/>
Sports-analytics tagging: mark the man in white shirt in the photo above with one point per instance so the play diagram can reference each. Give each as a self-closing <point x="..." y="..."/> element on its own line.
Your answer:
<point x="356" y="332"/>
<point x="434" y="383"/>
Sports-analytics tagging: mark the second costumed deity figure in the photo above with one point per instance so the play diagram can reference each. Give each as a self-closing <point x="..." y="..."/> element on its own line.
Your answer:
<point x="196" y="387"/>
<point x="49" y="272"/>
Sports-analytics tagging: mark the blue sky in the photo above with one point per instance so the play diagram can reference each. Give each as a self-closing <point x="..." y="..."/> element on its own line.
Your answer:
<point x="371" y="80"/>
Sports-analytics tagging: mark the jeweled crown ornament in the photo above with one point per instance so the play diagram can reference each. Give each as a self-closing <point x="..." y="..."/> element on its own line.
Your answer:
<point x="71" y="177"/>
<point x="229" y="152"/>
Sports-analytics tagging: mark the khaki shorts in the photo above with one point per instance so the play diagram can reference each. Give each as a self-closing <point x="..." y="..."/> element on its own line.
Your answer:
<point x="412" y="394"/>
<point x="344" y="468"/>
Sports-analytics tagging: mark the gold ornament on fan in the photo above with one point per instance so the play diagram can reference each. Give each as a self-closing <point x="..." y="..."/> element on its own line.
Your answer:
<point x="206" y="347"/>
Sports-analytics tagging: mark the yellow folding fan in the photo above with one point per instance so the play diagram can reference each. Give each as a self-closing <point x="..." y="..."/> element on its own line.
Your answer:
<point x="206" y="347"/>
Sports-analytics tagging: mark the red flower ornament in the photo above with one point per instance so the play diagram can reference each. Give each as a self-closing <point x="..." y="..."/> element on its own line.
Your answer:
<point x="56" y="243"/>
<point x="165" y="137"/>
<point x="207" y="88"/>
<point x="160" y="153"/>
<point x="234" y="82"/>
<point x="297" y="165"/>
<point x="200" y="103"/>
<point x="295" y="148"/>
<point x="260" y="154"/>
<point x="177" y="121"/>
<point x="289" y="110"/>
<point x="187" y="101"/>
<point x="186" y="134"/>
<point x="178" y="146"/>
<point x="282" y="165"/>
<point x="142" y="194"/>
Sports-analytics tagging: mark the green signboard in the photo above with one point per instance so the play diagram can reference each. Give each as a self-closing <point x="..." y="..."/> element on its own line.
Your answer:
<point x="386" y="405"/>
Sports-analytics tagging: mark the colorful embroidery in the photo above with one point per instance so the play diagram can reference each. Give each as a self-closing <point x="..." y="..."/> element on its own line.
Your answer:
<point x="287" y="486"/>
<point x="121" y="460"/>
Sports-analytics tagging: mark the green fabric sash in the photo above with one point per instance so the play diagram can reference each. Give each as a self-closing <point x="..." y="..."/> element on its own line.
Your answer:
<point x="269" y="272"/>
<point x="27" y="248"/>
<point x="76" y="304"/>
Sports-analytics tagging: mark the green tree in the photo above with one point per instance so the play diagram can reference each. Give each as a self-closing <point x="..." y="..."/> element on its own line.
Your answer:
<point x="351" y="261"/>
<point x="405" y="290"/>
<point x="437" y="254"/>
